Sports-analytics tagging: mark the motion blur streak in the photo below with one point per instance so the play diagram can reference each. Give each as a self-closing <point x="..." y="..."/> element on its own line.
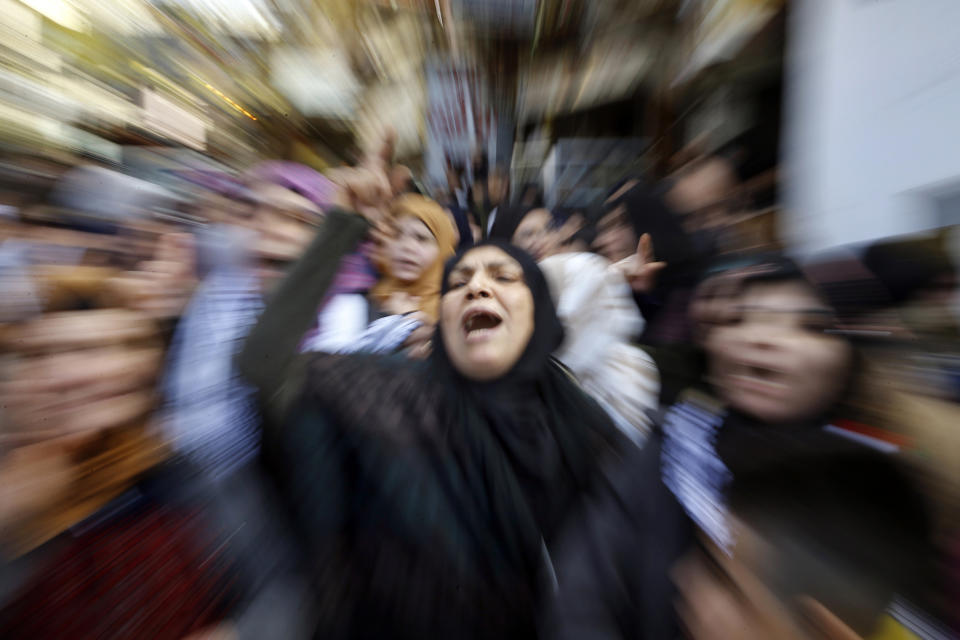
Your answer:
<point x="164" y="164"/>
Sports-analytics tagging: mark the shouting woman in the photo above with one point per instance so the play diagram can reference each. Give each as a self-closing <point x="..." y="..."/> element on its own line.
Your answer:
<point x="429" y="493"/>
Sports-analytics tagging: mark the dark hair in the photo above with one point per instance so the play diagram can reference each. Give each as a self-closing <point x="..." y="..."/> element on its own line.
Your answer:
<point x="648" y="213"/>
<point x="907" y="267"/>
<point x="845" y="524"/>
<point x="507" y="221"/>
<point x="537" y="195"/>
<point x="587" y="233"/>
<point x="846" y="296"/>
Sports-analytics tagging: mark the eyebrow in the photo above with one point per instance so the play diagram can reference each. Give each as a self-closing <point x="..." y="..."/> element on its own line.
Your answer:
<point x="498" y="264"/>
<point x="464" y="270"/>
<point x="501" y="264"/>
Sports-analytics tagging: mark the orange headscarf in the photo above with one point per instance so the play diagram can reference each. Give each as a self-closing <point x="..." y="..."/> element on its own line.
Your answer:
<point x="427" y="287"/>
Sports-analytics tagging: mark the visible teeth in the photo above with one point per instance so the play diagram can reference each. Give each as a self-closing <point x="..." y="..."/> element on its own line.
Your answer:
<point x="480" y="322"/>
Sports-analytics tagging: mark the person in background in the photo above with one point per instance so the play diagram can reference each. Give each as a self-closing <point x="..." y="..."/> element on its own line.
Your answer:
<point x="531" y="196"/>
<point x="476" y="231"/>
<point x="401" y="180"/>
<point x="292" y="200"/>
<point x="599" y="317"/>
<point x="457" y="193"/>
<point x="584" y="222"/>
<point x="779" y="372"/>
<point x="405" y="299"/>
<point x="210" y="418"/>
<point x="911" y="387"/>
<point x="459" y="205"/>
<point x="631" y="213"/>
<point x="211" y="414"/>
<point x="821" y="544"/>
<point x="703" y="195"/>
<point x="496" y="198"/>
<point x="286" y="218"/>
<point x="90" y="490"/>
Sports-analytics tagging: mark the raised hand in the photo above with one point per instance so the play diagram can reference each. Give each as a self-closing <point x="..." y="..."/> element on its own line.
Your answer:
<point x="642" y="268"/>
<point x="366" y="189"/>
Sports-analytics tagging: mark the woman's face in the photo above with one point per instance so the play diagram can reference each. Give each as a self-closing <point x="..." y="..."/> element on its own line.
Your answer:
<point x="412" y="249"/>
<point x="615" y="237"/>
<point x="774" y="359"/>
<point x="486" y="317"/>
<point x="533" y="233"/>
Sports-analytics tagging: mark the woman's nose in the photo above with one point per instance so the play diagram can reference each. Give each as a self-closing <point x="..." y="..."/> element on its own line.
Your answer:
<point x="761" y="336"/>
<point x="478" y="288"/>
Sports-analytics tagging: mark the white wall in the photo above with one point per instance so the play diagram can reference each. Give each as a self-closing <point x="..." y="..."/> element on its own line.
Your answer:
<point x="872" y="131"/>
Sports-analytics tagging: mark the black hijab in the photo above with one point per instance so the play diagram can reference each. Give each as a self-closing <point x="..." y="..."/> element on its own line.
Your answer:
<point x="647" y="213"/>
<point x="548" y="330"/>
<point x="545" y="432"/>
<point x="454" y="488"/>
<point x="508" y="219"/>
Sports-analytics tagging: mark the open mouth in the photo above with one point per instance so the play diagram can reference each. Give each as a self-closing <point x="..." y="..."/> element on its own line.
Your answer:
<point x="480" y="322"/>
<point x="758" y="378"/>
<point x="406" y="263"/>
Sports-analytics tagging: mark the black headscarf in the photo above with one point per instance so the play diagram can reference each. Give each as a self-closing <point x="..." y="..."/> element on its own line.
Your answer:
<point x="462" y="221"/>
<point x="547" y="433"/>
<point x="508" y="219"/>
<point x="648" y="213"/>
<point x="464" y="482"/>
<point x="548" y="330"/>
<point x="536" y="200"/>
<point x="906" y="267"/>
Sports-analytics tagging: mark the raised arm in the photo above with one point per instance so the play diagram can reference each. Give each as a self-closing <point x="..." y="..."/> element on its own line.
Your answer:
<point x="270" y="351"/>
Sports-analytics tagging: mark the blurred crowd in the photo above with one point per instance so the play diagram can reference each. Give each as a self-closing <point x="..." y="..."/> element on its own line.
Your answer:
<point x="299" y="405"/>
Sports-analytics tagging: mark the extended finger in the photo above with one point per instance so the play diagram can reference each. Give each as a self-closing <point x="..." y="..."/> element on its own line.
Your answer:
<point x="645" y="248"/>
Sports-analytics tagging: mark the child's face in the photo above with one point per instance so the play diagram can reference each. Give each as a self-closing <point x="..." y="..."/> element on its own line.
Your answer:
<point x="412" y="250"/>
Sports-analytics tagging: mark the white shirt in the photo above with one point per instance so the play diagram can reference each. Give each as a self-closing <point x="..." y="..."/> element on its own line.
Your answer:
<point x="490" y="220"/>
<point x="340" y="324"/>
<point x="600" y="319"/>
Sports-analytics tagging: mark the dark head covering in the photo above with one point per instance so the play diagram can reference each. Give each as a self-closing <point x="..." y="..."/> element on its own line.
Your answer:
<point x="537" y="200"/>
<point x="462" y="220"/>
<point x="507" y="220"/>
<point x="548" y="331"/>
<point x="440" y="490"/>
<point x="906" y="267"/>
<point x="648" y="213"/>
<point x="784" y="270"/>
<point x="534" y="414"/>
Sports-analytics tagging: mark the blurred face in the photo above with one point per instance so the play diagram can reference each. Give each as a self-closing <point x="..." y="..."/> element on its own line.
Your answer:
<point x="716" y="300"/>
<point x="533" y="233"/>
<point x="77" y="376"/>
<point x="774" y="359"/>
<point x="615" y="237"/>
<point x="487" y="315"/>
<point x="412" y="250"/>
<point x="497" y="186"/>
<point x="284" y="220"/>
<point x="475" y="231"/>
<point x="453" y="180"/>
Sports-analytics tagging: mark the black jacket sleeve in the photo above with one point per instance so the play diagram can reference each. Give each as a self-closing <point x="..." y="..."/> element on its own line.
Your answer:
<point x="269" y="357"/>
